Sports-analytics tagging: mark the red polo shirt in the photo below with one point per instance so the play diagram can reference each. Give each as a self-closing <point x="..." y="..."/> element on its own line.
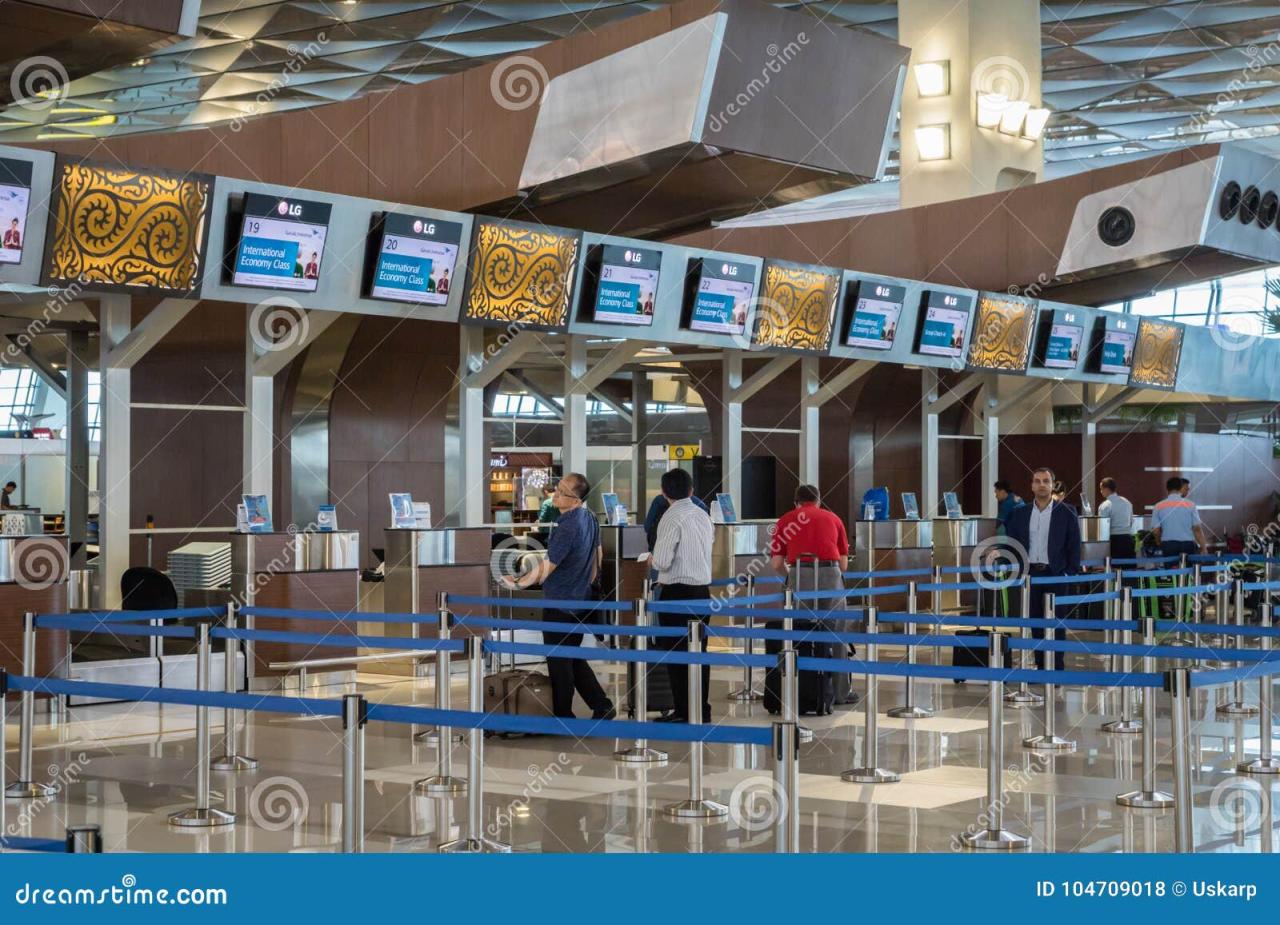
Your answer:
<point x="809" y="530"/>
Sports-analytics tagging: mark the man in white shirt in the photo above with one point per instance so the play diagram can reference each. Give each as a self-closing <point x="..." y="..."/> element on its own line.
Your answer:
<point x="682" y="558"/>
<point x="1117" y="509"/>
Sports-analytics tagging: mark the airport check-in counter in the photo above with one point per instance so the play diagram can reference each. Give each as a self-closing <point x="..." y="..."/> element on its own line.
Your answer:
<point x="741" y="549"/>
<point x="33" y="577"/>
<point x="955" y="542"/>
<point x="1095" y="538"/>
<point x="893" y="545"/>
<point x="622" y="575"/>
<point x="305" y="570"/>
<point x="419" y="564"/>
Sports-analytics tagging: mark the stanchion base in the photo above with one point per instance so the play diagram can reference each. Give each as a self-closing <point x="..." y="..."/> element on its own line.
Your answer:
<point x="234" y="763"/>
<point x="909" y="711"/>
<point x="1023" y="699"/>
<point x="440" y="786"/>
<point x="201" y="818"/>
<point x="432" y="737"/>
<point x="999" y="840"/>
<point x="693" y="810"/>
<point x="29" y="790"/>
<point x="1048" y="743"/>
<point x="1259" y="766"/>
<point x="869" y="776"/>
<point x="1149" y="799"/>
<point x="1238" y="708"/>
<point x="474" y="846"/>
<point x="1123" y="726"/>
<point x="640" y="755"/>
<point x="804" y="734"/>
<point x="746" y="696"/>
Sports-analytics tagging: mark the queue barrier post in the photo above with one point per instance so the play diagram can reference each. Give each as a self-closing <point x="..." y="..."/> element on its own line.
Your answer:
<point x="696" y="808"/>
<point x="1127" y="724"/>
<point x="641" y="752"/>
<point x="202" y="815"/>
<point x="1147" y="797"/>
<point x="870" y="772"/>
<point x="1049" y="740"/>
<point x="1265" y="763"/>
<point x="1022" y="695"/>
<point x="748" y="693"/>
<point x="84" y="839"/>
<point x="473" y="840"/>
<point x="791" y="692"/>
<point x="995" y="837"/>
<point x="432" y="736"/>
<point x="26" y="787"/>
<point x="910" y="709"/>
<point x="1237" y="705"/>
<point x="1178" y="683"/>
<point x="786" y="778"/>
<point x="355" y="713"/>
<point x="231" y="759"/>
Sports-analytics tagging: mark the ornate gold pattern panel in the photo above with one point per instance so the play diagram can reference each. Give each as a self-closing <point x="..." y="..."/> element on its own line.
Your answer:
<point x="521" y="275"/>
<point x="1155" y="358"/>
<point x="128" y="228"/>
<point x="1002" y="333"/>
<point x="796" y="307"/>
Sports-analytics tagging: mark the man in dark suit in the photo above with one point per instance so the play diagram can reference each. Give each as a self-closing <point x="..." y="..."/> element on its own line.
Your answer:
<point x="1045" y="536"/>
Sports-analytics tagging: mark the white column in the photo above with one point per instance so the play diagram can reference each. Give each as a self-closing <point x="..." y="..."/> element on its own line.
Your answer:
<point x="639" y="439"/>
<point x="79" y="361"/>
<point x="473" y="468"/>
<point x="928" y="445"/>
<point x="259" y="431"/>
<point x="731" y="426"/>
<point x="114" y="321"/>
<point x="573" y="453"/>
<point x="990" y="459"/>
<point x="810" y="413"/>
<point x="1088" y="445"/>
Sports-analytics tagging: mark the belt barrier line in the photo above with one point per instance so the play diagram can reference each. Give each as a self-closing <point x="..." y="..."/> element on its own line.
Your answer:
<point x="1214" y="677"/>
<point x="1007" y="622"/>
<point x="135" y="693"/>
<point x="967" y="569"/>
<point x="1255" y="656"/>
<point x="1068" y="579"/>
<point x="1158" y="573"/>
<point x="1093" y="563"/>
<point x="132" y="616"/>
<point x="544" y="603"/>
<point x="1181" y="592"/>
<point x="650" y="656"/>
<point x="821" y="595"/>
<point x="1218" y="629"/>
<point x="1008" y="675"/>
<point x="1149" y="560"/>
<point x="716" y="609"/>
<point x="1066" y="600"/>
<point x="878" y="638"/>
<point x="596" y="629"/>
<point x="113" y="629"/>
<point x="971" y="585"/>
<point x="341" y="639"/>
<point x="888" y="573"/>
<point x="351" y="616"/>
<point x="1260" y="586"/>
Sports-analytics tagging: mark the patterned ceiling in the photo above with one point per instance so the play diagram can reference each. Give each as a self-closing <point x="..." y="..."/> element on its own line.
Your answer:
<point x="1122" y="78"/>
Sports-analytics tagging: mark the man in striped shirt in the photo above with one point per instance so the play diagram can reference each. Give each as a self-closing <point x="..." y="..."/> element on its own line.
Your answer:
<point x="682" y="558"/>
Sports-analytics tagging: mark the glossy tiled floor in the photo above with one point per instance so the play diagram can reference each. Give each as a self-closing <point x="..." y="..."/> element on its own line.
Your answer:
<point x="127" y="766"/>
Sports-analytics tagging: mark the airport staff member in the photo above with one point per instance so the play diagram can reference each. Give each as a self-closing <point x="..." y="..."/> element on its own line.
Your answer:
<point x="1117" y="509"/>
<point x="1046" y="535"/>
<point x="1006" y="502"/>
<point x="6" y="496"/>
<point x="1176" y="522"/>
<point x="682" y="557"/>
<point x="567" y="573"/>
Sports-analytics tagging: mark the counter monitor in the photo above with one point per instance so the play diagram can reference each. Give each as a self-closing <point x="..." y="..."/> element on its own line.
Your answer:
<point x="873" y="320"/>
<point x="944" y="322"/>
<point x="414" y="258"/>
<point x="625" y="285"/>
<point x="1111" y="348"/>
<point x="720" y="298"/>
<point x="1062" y="346"/>
<point x="15" y="193"/>
<point x="281" y="243"/>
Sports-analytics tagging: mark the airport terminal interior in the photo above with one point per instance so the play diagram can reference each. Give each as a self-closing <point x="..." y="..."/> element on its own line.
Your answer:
<point x="623" y="426"/>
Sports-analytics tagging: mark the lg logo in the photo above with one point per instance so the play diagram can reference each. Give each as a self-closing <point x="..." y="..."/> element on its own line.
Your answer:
<point x="287" y="208"/>
<point x="729" y="269"/>
<point x="632" y="257"/>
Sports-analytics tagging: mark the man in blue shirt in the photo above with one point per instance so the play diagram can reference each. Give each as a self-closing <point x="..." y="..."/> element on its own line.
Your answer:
<point x="1006" y="503"/>
<point x="1176" y="522"/>
<point x="573" y="561"/>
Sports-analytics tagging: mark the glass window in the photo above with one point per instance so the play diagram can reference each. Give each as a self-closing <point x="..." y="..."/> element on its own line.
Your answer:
<point x="18" y="387"/>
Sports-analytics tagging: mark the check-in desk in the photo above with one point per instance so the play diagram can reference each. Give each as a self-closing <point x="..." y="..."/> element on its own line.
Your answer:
<point x="1095" y="538"/>
<point x="741" y="549"/>
<point x="419" y="564"/>
<point x="33" y="577"/>
<point x="306" y="570"/>
<point x="893" y="545"/>
<point x="622" y="575"/>
<point x="955" y="542"/>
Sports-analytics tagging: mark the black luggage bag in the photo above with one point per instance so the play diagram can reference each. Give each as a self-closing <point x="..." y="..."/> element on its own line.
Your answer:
<point x="970" y="656"/>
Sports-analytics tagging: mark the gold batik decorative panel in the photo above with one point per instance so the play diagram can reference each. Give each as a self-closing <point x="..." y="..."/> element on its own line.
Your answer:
<point x="521" y="275"/>
<point x="1002" y="334"/>
<point x="124" y="227"/>
<point x="796" y="307"/>
<point x="1155" y="358"/>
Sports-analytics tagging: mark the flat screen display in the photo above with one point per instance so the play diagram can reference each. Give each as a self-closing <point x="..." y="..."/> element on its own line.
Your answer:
<point x="874" y="320"/>
<point x="416" y="259"/>
<point x="1117" y="352"/>
<point x="281" y="243"/>
<point x="722" y="297"/>
<point x="15" y="194"/>
<point x="944" y="322"/>
<point x="1062" y="348"/>
<point x="628" y="285"/>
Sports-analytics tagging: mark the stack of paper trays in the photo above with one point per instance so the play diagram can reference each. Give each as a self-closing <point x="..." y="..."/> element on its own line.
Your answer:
<point x="200" y="565"/>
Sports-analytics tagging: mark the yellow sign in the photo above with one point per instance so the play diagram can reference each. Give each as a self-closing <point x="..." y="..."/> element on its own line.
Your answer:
<point x="678" y="451"/>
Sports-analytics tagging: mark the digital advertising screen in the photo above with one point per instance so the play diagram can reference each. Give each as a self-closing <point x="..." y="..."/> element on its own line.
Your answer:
<point x="1117" y="352"/>
<point x="281" y="243"/>
<point x="15" y="194"/>
<point x="416" y="259"/>
<point x="722" y="294"/>
<point x="627" y="285"/>
<point x="873" y="323"/>
<point x="944" y="322"/>
<point x="1062" y="347"/>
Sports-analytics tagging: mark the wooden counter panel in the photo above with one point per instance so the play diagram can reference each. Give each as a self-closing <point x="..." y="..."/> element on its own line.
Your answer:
<point x="326" y="591"/>
<point x="51" y="645"/>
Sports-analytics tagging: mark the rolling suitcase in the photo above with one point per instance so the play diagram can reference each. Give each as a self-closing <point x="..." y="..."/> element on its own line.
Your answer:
<point x="658" y="697"/>
<point x="519" y="692"/>
<point x="816" y="689"/>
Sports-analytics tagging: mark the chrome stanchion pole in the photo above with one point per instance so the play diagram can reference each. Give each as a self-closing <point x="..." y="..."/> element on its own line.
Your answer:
<point x="4" y="755"/>
<point x="791" y="694"/>
<point x="355" y="713"/>
<point x="748" y="692"/>
<point x="443" y="783"/>
<point x="641" y="752"/>
<point x="1022" y="696"/>
<point x="910" y="710"/>
<point x="995" y="837"/>
<point x="786" y="779"/>
<point x="696" y="808"/>
<point x="1238" y="706"/>
<point x="230" y="759"/>
<point x="1178" y="684"/>
<point x="442" y="679"/>
<point x="84" y="839"/>
<point x="1264" y="763"/>
<point x="1148" y="797"/>
<point x="474" y="842"/>
<point x="1049" y="740"/>
<point x="869" y="772"/>
<point x="1126" y="724"/>
<point x="25" y="787"/>
<point x="202" y="815"/>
